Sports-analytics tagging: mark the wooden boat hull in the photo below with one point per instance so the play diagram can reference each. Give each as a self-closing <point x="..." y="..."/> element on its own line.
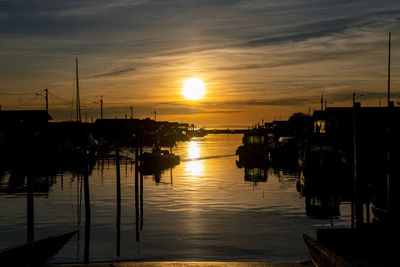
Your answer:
<point x="379" y="209"/>
<point x="320" y="255"/>
<point x="36" y="252"/>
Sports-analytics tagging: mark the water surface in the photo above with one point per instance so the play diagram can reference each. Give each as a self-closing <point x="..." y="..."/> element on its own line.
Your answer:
<point x="203" y="209"/>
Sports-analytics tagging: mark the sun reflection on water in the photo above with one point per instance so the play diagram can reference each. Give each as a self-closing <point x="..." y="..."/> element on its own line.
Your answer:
<point x="193" y="150"/>
<point x="194" y="167"/>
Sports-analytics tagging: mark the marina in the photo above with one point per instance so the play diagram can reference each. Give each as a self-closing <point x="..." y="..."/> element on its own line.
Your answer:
<point x="203" y="209"/>
<point x="199" y="133"/>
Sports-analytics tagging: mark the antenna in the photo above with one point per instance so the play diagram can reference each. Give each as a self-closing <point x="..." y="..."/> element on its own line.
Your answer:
<point x="78" y="101"/>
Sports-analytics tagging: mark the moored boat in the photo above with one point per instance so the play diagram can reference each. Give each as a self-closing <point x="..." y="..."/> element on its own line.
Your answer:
<point x="320" y="255"/>
<point x="35" y="252"/>
<point x="255" y="146"/>
<point x="365" y="246"/>
<point x="158" y="159"/>
<point x="379" y="209"/>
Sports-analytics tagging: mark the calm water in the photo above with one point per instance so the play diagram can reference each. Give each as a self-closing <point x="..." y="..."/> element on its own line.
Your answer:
<point x="203" y="209"/>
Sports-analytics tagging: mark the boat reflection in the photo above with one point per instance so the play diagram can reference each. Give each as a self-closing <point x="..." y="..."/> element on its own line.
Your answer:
<point x="322" y="207"/>
<point x="322" y="201"/>
<point x="256" y="171"/>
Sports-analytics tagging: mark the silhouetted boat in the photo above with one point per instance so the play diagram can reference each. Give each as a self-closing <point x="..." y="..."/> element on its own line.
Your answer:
<point x="35" y="252"/>
<point x="197" y="133"/>
<point x="320" y="255"/>
<point x="379" y="209"/>
<point x="366" y="246"/>
<point x="158" y="159"/>
<point x="255" y="146"/>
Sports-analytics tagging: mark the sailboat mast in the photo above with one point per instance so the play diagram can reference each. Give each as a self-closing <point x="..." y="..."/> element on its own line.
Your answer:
<point x="388" y="95"/>
<point x="78" y="101"/>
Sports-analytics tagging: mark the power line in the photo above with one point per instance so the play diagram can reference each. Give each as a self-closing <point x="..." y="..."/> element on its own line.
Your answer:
<point x="24" y="104"/>
<point x="2" y="93"/>
<point x="60" y="98"/>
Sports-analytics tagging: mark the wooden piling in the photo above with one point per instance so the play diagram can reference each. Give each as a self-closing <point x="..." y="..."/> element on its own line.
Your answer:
<point x="118" y="176"/>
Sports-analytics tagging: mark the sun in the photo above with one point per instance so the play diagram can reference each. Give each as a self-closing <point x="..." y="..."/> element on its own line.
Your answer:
<point x="193" y="89"/>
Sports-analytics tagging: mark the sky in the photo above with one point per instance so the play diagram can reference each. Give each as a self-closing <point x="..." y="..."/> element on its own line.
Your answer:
<point x="259" y="60"/>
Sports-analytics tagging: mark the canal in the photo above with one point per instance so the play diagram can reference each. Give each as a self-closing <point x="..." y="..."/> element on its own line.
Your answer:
<point x="204" y="209"/>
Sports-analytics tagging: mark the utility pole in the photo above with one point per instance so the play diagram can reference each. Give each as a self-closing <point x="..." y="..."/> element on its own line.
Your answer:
<point x="131" y="112"/>
<point x="388" y="96"/>
<point x="47" y="100"/>
<point x="155" y="115"/>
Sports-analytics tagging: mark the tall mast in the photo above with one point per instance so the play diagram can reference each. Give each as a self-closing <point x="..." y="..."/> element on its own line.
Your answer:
<point x="388" y="94"/>
<point x="78" y="101"/>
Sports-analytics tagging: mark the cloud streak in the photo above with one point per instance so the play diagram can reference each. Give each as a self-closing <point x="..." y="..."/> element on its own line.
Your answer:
<point x="115" y="73"/>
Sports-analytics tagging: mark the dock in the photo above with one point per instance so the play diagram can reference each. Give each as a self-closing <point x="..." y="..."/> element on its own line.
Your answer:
<point x="183" y="264"/>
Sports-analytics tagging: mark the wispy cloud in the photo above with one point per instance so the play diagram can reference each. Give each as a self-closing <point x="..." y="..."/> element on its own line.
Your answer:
<point x="114" y="73"/>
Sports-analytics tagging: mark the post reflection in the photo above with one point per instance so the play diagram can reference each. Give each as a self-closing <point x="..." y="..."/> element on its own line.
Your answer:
<point x="137" y="197"/>
<point x="87" y="214"/>
<point x="118" y="176"/>
<point x="30" y="210"/>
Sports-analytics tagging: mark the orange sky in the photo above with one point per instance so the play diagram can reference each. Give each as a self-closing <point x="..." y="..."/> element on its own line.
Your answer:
<point x="258" y="60"/>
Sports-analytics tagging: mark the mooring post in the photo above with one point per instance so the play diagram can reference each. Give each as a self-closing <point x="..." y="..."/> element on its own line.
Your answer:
<point x="87" y="212"/>
<point x="30" y="216"/>
<point x="118" y="176"/>
<point x="137" y="198"/>
<point x="358" y="207"/>
<point x="141" y="201"/>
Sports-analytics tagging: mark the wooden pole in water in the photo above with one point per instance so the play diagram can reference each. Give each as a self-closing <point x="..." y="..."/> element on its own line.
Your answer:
<point x="87" y="212"/>
<point x="358" y="208"/>
<point x="118" y="174"/>
<point x="137" y="196"/>
<point x="141" y="201"/>
<point x="30" y="214"/>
